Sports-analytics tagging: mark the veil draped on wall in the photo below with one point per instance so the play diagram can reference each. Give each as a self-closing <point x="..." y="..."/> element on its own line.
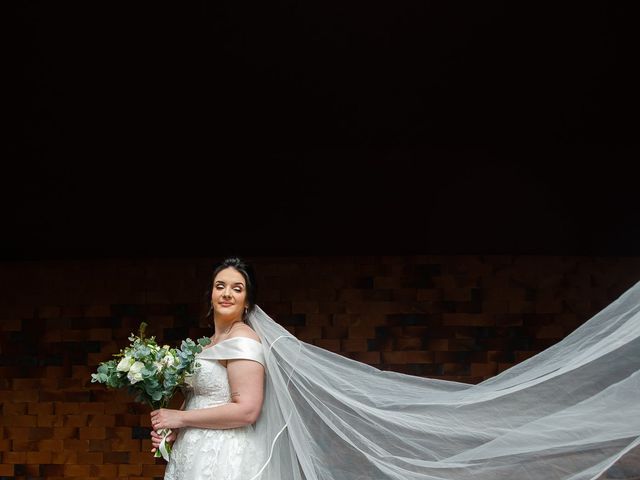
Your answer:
<point x="568" y="413"/>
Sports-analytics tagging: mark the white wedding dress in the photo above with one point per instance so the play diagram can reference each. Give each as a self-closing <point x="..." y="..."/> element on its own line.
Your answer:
<point x="216" y="454"/>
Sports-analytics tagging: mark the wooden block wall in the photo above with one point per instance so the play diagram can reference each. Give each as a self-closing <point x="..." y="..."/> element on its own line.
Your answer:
<point x="463" y="318"/>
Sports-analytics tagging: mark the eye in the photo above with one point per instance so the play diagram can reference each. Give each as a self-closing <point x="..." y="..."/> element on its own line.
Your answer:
<point x="238" y="289"/>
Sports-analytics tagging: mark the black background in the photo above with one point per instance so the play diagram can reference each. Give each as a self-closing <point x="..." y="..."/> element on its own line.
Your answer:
<point x="319" y="127"/>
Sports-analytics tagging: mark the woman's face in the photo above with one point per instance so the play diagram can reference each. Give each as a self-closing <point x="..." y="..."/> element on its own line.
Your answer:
<point x="229" y="294"/>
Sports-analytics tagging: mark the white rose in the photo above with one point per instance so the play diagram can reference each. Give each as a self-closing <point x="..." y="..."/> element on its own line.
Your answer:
<point x="125" y="364"/>
<point x="168" y="360"/>
<point x="158" y="365"/>
<point x="135" y="372"/>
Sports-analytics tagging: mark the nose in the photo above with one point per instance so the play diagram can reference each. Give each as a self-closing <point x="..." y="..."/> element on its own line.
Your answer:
<point x="227" y="293"/>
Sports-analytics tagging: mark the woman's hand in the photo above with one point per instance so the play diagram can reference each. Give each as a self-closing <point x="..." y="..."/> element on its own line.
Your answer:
<point x="166" y="418"/>
<point x="156" y="439"/>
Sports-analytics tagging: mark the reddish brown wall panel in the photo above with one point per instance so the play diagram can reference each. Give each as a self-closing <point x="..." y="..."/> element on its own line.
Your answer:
<point x="463" y="318"/>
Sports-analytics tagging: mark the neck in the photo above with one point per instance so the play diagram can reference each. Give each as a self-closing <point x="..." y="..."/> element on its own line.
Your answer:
<point x="222" y="325"/>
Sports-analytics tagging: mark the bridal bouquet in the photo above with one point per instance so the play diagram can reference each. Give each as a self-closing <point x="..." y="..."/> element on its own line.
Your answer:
<point x="151" y="373"/>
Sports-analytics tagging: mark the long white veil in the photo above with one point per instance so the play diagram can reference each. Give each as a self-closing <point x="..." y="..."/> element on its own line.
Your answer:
<point x="570" y="412"/>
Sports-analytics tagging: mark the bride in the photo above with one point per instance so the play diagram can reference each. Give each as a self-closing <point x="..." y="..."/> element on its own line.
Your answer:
<point x="265" y="405"/>
<point x="216" y="437"/>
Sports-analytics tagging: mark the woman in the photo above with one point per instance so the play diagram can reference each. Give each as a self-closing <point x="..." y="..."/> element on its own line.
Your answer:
<point x="571" y="412"/>
<point x="216" y="436"/>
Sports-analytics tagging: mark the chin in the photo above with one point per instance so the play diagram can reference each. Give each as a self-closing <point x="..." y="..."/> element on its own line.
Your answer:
<point x="228" y="312"/>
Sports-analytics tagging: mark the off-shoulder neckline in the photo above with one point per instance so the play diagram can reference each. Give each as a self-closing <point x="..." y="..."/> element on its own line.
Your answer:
<point x="228" y="339"/>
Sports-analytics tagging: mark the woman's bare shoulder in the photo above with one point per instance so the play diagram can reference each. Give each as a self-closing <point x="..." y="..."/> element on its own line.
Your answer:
<point x="245" y="331"/>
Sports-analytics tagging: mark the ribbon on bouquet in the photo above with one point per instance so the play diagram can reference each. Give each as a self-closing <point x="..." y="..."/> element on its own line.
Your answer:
<point x="164" y="450"/>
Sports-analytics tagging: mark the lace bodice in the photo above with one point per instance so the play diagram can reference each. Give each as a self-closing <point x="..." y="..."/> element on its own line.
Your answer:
<point x="208" y="386"/>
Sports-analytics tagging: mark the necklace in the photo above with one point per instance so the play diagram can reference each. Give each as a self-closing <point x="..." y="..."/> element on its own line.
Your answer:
<point x="230" y="326"/>
<point x="227" y="330"/>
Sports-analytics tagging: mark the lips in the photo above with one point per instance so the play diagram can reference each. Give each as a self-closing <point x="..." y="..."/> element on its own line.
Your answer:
<point x="226" y="304"/>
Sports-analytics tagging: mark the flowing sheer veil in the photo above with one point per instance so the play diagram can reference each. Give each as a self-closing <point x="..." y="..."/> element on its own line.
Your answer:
<point x="569" y="412"/>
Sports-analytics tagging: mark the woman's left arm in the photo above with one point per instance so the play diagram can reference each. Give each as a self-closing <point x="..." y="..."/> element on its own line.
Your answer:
<point x="246" y="379"/>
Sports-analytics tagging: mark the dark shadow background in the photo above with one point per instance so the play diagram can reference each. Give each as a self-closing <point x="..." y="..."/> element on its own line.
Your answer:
<point x="205" y="128"/>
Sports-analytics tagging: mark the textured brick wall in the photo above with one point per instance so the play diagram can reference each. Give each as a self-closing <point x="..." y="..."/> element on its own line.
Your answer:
<point x="462" y="318"/>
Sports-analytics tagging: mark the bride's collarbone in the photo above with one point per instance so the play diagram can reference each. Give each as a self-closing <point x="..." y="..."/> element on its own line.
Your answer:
<point x="228" y="333"/>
